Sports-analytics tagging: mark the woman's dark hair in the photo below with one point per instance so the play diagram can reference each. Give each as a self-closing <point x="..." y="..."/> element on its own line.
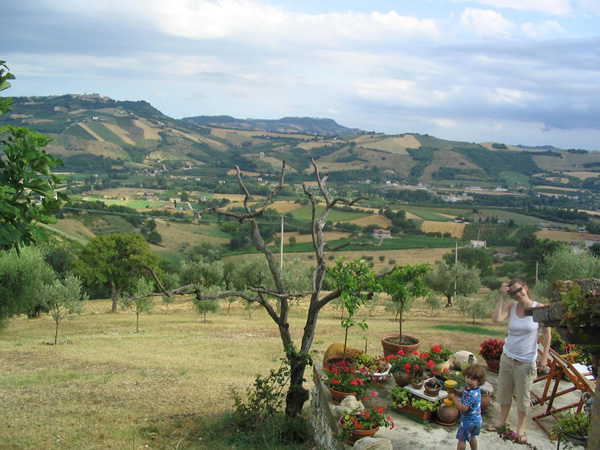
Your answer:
<point x="476" y="372"/>
<point x="514" y="281"/>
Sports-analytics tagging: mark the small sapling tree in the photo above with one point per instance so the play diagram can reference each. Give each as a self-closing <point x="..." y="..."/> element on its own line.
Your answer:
<point x="477" y="307"/>
<point x="140" y="301"/>
<point x="433" y="302"/>
<point x="206" y="306"/>
<point x="403" y="284"/>
<point x="63" y="298"/>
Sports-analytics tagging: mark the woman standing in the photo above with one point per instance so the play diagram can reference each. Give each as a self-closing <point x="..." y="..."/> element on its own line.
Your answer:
<point x="518" y="360"/>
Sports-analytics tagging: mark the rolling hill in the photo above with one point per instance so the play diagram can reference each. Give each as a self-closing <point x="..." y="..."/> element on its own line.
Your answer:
<point x="95" y="134"/>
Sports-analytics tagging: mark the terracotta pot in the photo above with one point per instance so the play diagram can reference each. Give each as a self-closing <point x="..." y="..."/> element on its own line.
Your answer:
<point x="358" y="434"/>
<point x="447" y="413"/>
<point x="416" y="384"/>
<point x="485" y="402"/>
<point x="402" y="379"/>
<point x="432" y="392"/>
<point x="415" y="414"/>
<point x="493" y="364"/>
<point x="338" y="396"/>
<point x="440" y="366"/>
<point x="409" y="344"/>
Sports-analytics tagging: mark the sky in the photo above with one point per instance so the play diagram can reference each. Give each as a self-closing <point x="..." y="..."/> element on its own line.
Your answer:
<point x="513" y="71"/>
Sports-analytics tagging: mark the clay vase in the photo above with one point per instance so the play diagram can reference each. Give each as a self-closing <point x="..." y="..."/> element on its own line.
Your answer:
<point x="447" y="413"/>
<point x="437" y="368"/>
<point x="402" y="379"/>
<point x="485" y="401"/>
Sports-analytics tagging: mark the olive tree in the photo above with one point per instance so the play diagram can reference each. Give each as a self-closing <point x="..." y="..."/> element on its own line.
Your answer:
<point x="63" y="298"/>
<point x="115" y="260"/>
<point x="453" y="279"/>
<point x="21" y="278"/>
<point x="322" y="202"/>
<point x="141" y="299"/>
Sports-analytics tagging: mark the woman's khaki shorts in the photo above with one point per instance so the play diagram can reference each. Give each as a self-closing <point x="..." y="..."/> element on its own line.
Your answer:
<point x="515" y="376"/>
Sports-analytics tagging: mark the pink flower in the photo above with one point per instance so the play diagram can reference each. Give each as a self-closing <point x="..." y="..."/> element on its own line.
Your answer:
<point x="373" y="394"/>
<point x="335" y="381"/>
<point x="436" y="349"/>
<point x="430" y="364"/>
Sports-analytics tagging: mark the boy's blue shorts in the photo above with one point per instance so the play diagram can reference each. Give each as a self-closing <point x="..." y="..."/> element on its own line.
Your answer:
<point x="467" y="430"/>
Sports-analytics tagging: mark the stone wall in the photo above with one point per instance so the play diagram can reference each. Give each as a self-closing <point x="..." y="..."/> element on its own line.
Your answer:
<point x="323" y="423"/>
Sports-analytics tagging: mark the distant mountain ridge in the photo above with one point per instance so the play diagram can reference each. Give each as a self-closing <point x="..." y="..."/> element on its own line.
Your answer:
<point x="302" y="125"/>
<point x="96" y="134"/>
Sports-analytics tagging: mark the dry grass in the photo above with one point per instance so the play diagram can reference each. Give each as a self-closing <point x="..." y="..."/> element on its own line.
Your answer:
<point x="556" y="235"/>
<point x="109" y="387"/>
<point x="284" y="207"/>
<point x="90" y="131"/>
<point x="124" y="135"/>
<point x="582" y="175"/>
<point x="456" y="229"/>
<point x="150" y="132"/>
<point x="374" y="219"/>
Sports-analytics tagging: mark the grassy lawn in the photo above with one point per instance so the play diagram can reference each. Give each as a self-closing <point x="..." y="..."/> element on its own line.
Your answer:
<point x="106" y="386"/>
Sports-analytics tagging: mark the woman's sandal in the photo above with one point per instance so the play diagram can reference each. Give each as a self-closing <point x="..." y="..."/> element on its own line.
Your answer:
<point x="493" y="427"/>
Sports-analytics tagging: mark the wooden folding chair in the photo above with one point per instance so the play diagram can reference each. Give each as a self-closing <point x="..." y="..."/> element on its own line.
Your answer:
<point x="561" y="365"/>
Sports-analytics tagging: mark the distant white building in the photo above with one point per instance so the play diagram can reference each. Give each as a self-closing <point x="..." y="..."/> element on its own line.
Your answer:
<point x="478" y="244"/>
<point x="382" y="234"/>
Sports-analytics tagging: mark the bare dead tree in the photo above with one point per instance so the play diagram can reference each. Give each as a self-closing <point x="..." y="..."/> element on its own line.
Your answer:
<point x="297" y="394"/>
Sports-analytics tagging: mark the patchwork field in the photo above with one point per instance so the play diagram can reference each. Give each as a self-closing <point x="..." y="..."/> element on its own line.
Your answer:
<point x="455" y="229"/>
<point x="556" y="235"/>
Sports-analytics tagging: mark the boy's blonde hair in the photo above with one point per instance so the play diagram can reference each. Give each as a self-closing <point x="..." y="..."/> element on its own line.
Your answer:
<point x="476" y="372"/>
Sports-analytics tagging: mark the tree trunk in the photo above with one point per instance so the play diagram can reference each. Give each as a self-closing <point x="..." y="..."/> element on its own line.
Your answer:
<point x="448" y="300"/>
<point x="297" y="395"/>
<point x="137" y="322"/>
<point x="56" y="333"/>
<point x="115" y="297"/>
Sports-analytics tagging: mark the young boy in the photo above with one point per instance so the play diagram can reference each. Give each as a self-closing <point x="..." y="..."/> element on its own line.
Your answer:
<point x="469" y="407"/>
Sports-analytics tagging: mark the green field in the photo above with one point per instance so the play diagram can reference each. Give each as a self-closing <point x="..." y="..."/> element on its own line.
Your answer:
<point x="305" y="213"/>
<point x="426" y="213"/>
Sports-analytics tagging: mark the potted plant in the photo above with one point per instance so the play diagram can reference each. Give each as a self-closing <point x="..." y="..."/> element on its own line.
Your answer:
<point x="377" y="367"/>
<point x="491" y="350"/>
<point x="432" y="387"/>
<point x="344" y="379"/>
<point x="572" y="428"/>
<point x="404" y="365"/>
<point x="403" y="284"/>
<point x="440" y="356"/>
<point x="406" y="404"/>
<point x="358" y="424"/>
<point x="580" y="322"/>
<point x="355" y="281"/>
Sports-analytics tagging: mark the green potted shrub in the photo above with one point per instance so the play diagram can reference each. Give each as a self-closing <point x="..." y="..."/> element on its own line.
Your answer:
<point x="403" y="284"/>
<point x="572" y="428"/>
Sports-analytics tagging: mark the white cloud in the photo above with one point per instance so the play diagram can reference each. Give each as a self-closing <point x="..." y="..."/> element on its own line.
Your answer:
<point x="554" y="7"/>
<point x="590" y="5"/>
<point x="485" y="22"/>
<point x="549" y="28"/>
<point x="507" y="96"/>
